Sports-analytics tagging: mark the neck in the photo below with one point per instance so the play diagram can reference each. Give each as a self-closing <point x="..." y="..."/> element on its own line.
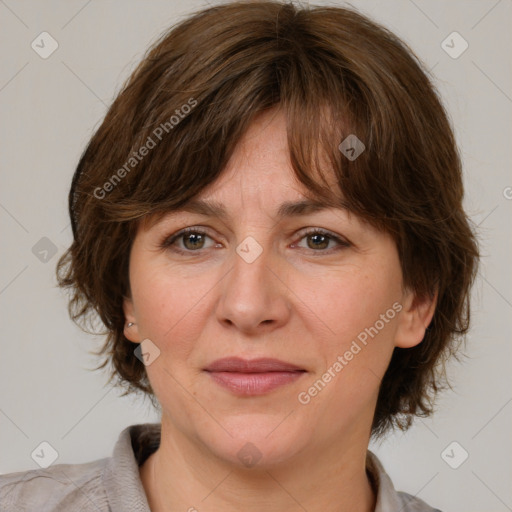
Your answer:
<point x="323" y="478"/>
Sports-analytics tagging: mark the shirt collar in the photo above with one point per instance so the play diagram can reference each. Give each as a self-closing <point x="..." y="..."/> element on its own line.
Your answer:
<point x="125" y="491"/>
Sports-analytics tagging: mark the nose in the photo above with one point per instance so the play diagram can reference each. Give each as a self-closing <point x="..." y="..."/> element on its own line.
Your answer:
<point x="254" y="295"/>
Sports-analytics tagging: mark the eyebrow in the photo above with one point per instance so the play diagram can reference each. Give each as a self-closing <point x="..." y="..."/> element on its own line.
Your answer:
<point x="287" y="209"/>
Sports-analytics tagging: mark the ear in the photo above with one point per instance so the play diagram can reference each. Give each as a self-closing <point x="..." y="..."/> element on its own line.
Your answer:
<point x="131" y="333"/>
<point x="415" y="316"/>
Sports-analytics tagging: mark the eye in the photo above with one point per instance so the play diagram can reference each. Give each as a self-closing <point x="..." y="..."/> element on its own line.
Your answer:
<point x="319" y="239"/>
<point x="193" y="240"/>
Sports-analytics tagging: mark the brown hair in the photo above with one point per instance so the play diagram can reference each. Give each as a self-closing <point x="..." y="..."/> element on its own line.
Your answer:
<point x="333" y="72"/>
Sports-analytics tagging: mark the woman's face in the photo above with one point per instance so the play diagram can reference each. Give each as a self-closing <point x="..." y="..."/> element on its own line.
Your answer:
<point x="319" y="290"/>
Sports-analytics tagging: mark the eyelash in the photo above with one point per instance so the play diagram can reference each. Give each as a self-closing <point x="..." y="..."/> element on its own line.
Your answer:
<point x="169" y="242"/>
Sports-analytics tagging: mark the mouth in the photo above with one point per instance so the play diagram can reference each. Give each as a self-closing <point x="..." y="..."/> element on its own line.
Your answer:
<point x="253" y="377"/>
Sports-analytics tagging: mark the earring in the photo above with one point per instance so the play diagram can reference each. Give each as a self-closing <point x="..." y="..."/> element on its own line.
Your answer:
<point x="130" y="324"/>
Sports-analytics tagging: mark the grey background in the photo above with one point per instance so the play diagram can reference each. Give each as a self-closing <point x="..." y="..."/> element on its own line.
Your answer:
<point x="49" y="109"/>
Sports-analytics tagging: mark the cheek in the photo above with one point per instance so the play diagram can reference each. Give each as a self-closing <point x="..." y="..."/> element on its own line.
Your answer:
<point x="347" y="301"/>
<point x="355" y="308"/>
<point x="169" y="306"/>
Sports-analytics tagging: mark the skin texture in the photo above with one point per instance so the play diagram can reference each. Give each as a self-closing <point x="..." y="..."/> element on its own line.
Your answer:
<point x="304" y="301"/>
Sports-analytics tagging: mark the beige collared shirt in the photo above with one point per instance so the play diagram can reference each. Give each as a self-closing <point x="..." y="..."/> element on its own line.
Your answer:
<point x="113" y="484"/>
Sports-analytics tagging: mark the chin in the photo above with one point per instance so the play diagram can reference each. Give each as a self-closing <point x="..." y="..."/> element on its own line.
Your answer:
<point x="257" y="441"/>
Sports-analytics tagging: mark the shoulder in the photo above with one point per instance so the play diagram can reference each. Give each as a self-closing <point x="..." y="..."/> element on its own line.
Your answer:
<point x="103" y="485"/>
<point x="411" y="503"/>
<point x="57" y="488"/>
<point x="387" y="498"/>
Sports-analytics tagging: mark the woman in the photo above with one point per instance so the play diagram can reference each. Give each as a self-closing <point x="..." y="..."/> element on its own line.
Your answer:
<point x="269" y="223"/>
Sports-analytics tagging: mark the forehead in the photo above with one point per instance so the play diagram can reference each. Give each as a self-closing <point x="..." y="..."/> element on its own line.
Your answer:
<point x="225" y="212"/>
<point x="259" y="176"/>
<point x="260" y="170"/>
<point x="300" y="207"/>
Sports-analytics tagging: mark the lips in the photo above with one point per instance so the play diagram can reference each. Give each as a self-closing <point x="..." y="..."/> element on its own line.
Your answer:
<point x="252" y="377"/>
<point x="262" y="365"/>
